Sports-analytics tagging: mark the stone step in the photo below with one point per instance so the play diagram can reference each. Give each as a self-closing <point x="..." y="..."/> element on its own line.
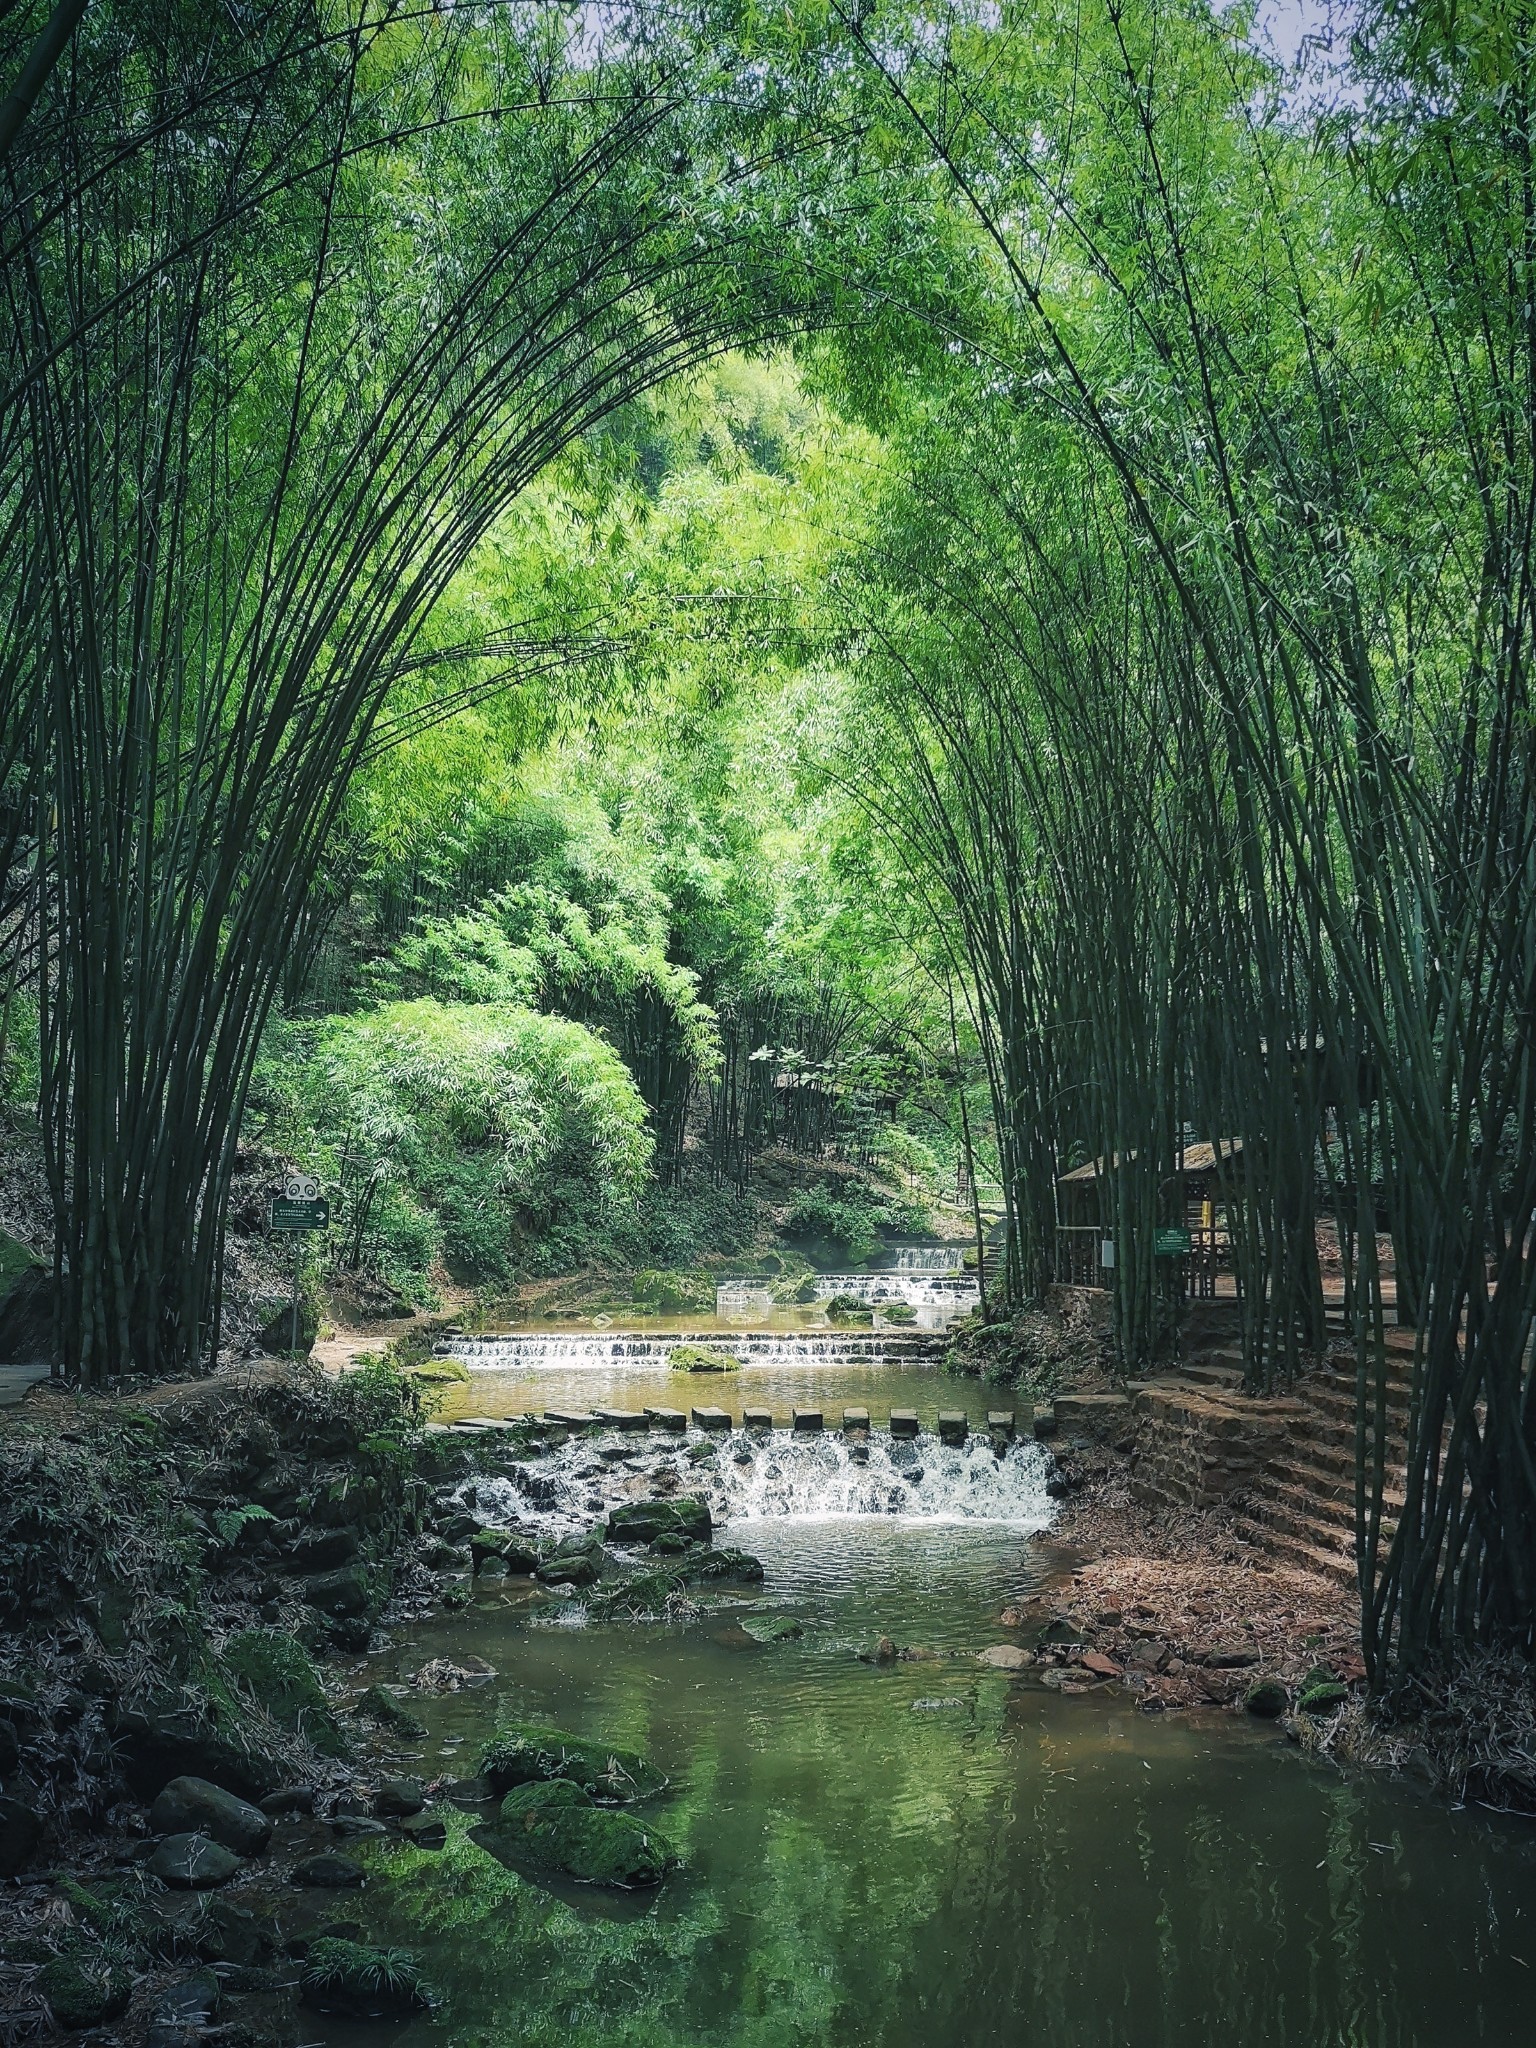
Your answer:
<point x="1324" y="1510"/>
<point x="1284" y="1548"/>
<point x="1327" y="1483"/>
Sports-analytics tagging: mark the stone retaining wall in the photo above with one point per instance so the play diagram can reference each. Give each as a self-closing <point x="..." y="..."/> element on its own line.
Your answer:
<point x="1193" y="1449"/>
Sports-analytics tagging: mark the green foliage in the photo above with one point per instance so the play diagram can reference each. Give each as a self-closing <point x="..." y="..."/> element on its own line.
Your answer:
<point x="361" y="1979"/>
<point x="482" y="1128"/>
<point x="275" y="1672"/>
<point x="230" y="1523"/>
<point x="853" y="1218"/>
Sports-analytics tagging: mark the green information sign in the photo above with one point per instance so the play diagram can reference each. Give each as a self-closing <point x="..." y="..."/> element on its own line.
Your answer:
<point x="1170" y="1244"/>
<point x="305" y="1215"/>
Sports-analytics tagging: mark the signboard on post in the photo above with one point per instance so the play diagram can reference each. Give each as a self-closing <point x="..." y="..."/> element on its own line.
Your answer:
<point x="300" y="1205"/>
<point x="1170" y="1244"/>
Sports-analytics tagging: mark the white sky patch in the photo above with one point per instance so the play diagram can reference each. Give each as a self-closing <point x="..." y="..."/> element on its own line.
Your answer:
<point x="1310" y="38"/>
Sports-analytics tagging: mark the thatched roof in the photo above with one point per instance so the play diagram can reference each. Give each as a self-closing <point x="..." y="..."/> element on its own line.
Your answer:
<point x="1202" y="1158"/>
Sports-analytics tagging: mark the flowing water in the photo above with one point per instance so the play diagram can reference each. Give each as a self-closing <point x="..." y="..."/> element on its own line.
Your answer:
<point x="925" y="1854"/>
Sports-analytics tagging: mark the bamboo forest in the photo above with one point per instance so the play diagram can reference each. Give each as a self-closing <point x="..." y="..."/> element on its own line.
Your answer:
<point x="767" y="1023"/>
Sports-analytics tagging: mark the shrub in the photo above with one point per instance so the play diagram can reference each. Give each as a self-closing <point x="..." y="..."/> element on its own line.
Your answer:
<point x="482" y="1125"/>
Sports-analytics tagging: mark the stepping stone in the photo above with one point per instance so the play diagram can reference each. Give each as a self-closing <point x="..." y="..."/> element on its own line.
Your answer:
<point x="757" y="1418"/>
<point x="624" y="1419"/>
<point x="1000" y="1422"/>
<point x="570" y="1419"/>
<point x="667" y="1418"/>
<point x="805" y="1421"/>
<point x="711" y="1418"/>
<point x="904" y="1422"/>
<point x="953" y="1428"/>
<point x="855" y="1418"/>
<point x="1045" y="1420"/>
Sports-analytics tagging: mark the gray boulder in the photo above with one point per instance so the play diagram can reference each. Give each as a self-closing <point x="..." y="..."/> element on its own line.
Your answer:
<point x="328" y="1872"/>
<point x="194" y="1806"/>
<point x="192" y="1863"/>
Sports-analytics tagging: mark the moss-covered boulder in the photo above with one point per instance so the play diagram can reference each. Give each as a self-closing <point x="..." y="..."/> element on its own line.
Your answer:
<point x="642" y="1597"/>
<point x="518" y="1552"/>
<point x="1323" y="1698"/>
<point x="848" y="1308"/>
<point x="84" y="1991"/>
<point x="773" y="1628"/>
<point x="523" y="1756"/>
<point x="361" y="1982"/>
<point x="385" y="1711"/>
<point x="642" y="1521"/>
<point x="1267" y="1700"/>
<point x="702" y="1565"/>
<point x="559" y="1827"/>
<point x="698" y="1358"/>
<point x="276" y="1672"/>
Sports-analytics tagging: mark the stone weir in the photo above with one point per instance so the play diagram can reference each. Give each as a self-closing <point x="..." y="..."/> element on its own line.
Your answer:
<point x="603" y="1350"/>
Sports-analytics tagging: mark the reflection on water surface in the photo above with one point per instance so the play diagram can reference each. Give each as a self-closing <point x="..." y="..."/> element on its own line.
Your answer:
<point x="900" y="1857"/>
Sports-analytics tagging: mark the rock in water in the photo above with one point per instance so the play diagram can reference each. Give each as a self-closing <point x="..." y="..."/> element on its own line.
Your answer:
<point x="194" y="1806"/>
<point x="328" y="1872"/>
<point x="380" y="1706"/>
<point x="424" y="1830"/>
<point x="1005" y="1657"/>
<point x="642" y="1521"/>
<point x="192" y="1863"/>
<point x="772" y="1628"/>
<point x="84" y="1994"/>
<point x="557" y="1826"/>
<point x="523" y="1756"/>
<point x="398" y="1798"/>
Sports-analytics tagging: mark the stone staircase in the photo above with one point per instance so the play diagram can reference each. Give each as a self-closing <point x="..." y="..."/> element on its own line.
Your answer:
<point x="1284" y="1463"/>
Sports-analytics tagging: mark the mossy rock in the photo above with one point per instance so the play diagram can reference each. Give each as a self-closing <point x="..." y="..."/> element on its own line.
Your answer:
<point x="557" y="1826"/>
<point x="1267" y="1700"/>
<point x="898" y="1312"/>
<point x="721" y="1564"/>
<point x="848" y="1308"/>
<point x="773" y="1628"/>
<point x="697" y="1358"/>
<point x="1323" y="1699"/>
<point x="360" y="1982"/>
<point x="642" y="1521"/>
<point x="84" y="1991"/>
<point x="640" y="1598"/>
<point x="382" y="1708"/>
<point x="438" y="1372"/>
<point x="277" y="1672"/>
<point x="523" y="1756"/>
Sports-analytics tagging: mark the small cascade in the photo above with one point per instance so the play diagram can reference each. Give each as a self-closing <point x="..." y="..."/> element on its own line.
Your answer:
<point x="926" y="1258"/>
<point x="919" y="1290"/>
<point x="617" y="1352"/>
<point x="777" y="1477"/>
<point x="818" y="1478"/>
<point x="950" y="1293"/>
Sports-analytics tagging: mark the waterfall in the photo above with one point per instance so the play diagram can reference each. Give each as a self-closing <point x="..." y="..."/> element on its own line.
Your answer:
<point x="777" y="1477"/>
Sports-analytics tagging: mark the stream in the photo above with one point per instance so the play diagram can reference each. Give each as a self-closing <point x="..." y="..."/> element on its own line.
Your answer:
<point x="921" y="1854"/>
